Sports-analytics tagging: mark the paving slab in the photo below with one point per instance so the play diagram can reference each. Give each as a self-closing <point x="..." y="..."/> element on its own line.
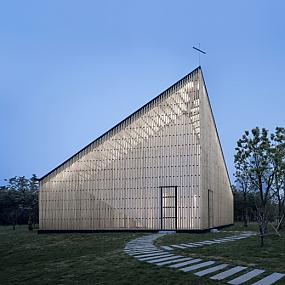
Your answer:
<point x="271" y="279"/>
<point x="184" y="244"/>
<point x="143" y="249"/>
<point x="227" y="239"/>
<point x="174" y="261"/>
<point x="167" y="247"/>
<point x="149" y="255"/>
<point x="164" y="259"/>
<point x="197" y="266"/>
<point x="203" y="242"/>
<point x="148" y="250"/>
<point x="178" y="246"/>
<point x="153" y="257"/>
<point x="228" y="273"/>
<point x="135" y="252"/>
<point x="185" y="263"/>
<point x="211" y="270"/>
<point x="245" y="277"/>
<point x="138" y="252"/>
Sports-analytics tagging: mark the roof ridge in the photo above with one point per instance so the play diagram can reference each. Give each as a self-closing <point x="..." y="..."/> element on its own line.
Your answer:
<point x="124" y="120"/>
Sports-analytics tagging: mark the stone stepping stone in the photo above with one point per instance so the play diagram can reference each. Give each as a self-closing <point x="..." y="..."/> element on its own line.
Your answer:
<point x="185" y="263"/>
<point x="136" y="252"/>
<point x="217" y="240"/>
<point x="197" y="244"/>
<point x="197" y="266"/>
<point x="223" y="240"/>
<point x="153" y="257"/>
<point x="228" y="273"/>
<point x="164" y="259"/>
<point x="178" y="246"/>
<point x="204" y="242"/>
<point x="227" y="239"/>
<point x="245" y="277"/>
<point x="173" y="261"/>
<point x="184" y="244"/>
<point x="191" y="245"/>
<point x="143" y="246"/>
<point x="149" y="255"/>
<point x="272" y="278"/>
<point x="167" y="247"/>
<point x="211" y="270"/>
<point x="141" y="249"/>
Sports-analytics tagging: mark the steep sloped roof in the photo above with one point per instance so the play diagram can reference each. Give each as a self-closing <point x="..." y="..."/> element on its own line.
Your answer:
<point x="112" y="130"/>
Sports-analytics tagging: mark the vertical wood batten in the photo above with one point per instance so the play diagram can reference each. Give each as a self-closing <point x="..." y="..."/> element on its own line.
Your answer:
<point x="114" y="183"/>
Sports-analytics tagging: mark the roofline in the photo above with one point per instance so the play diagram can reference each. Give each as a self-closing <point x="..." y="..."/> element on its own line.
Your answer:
<point x="124" y="120"/>
<point x="215" y="126"/>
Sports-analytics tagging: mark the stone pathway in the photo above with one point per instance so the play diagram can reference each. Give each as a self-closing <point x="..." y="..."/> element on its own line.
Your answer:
<point x="144" y="250"/>
<point x="243" y="235"/>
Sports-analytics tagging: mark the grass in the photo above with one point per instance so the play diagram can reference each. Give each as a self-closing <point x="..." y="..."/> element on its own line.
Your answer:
<point x="29" y="258"/>
<point x="245" y="252"/>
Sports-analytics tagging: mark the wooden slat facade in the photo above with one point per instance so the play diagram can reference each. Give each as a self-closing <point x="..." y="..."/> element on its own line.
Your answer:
<point x="127" y="177"/>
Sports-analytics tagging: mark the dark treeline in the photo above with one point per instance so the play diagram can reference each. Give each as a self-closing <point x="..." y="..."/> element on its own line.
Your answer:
<point x="19" y="201"/>
<point x="245" y="210"/>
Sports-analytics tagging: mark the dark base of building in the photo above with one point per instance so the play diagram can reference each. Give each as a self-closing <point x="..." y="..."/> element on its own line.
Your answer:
<point x="126" y="230"/>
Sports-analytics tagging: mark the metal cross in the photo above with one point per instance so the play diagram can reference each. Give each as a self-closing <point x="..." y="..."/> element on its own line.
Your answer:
<point x="199" y="52"/>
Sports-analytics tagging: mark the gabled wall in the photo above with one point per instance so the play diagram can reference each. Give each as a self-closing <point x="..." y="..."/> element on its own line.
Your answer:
<point x="116" y="183"/>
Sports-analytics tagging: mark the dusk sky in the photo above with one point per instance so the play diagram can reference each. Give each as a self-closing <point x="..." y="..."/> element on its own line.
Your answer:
<point x="70" y="70"/>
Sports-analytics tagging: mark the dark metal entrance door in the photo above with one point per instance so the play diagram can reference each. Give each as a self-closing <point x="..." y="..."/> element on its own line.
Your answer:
<point x="168" y="207"/>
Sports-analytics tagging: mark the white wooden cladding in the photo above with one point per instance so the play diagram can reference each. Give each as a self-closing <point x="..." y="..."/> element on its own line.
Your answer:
<point x="115" y="182"/>
<point x="214" y="175"/>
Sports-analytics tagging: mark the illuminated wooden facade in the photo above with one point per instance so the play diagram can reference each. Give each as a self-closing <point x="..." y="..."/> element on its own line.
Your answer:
<point x="160" y="168"/>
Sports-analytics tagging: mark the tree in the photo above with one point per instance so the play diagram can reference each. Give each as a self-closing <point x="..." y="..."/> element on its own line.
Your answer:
<point x="19" y="201"/>
<point x="242" y="184"/>
<point x="239" y="205"/>
<point x="253" y="157"/>
<point x="278" y="158"/>
<point x="34" y="202"/>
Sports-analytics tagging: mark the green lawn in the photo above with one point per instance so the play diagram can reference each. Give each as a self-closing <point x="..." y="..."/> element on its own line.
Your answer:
<point x="245" y="252"/>
<point x="29" y="258"/>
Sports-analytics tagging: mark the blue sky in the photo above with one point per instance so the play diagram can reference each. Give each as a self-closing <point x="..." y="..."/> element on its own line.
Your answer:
<point x="70" y="70"/>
